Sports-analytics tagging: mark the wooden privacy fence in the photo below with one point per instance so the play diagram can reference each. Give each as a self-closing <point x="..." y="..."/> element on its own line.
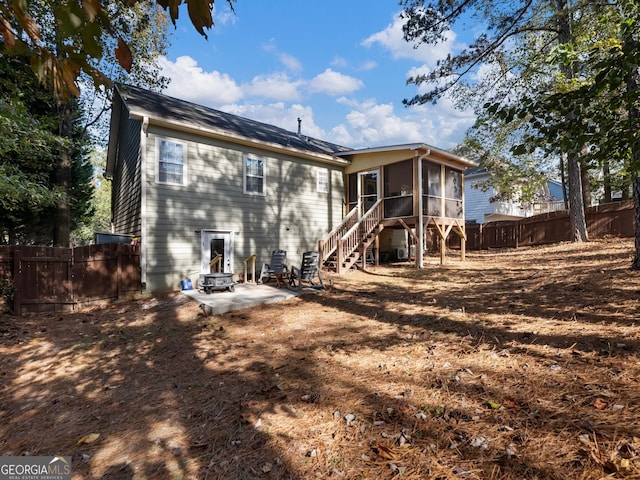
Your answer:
<point x="52" y="279"/>
<point x="614" y="219"/>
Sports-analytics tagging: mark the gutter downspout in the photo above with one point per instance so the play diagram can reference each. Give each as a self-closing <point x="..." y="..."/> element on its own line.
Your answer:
<point x="143" y="201"/>
<point x="420" y="246"/>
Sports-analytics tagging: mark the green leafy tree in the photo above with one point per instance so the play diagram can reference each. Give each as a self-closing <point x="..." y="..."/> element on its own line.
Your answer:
<point x="84" y="33"/>
<point x="100" y="221"/>
<point x="608" y="106"/>
<point x="516" y="41"/>
<point x="31" y="145"/>
<point x="69" y="40"/>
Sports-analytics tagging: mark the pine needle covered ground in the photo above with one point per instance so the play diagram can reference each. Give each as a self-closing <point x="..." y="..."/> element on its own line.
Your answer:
<point x="519" y="364"/>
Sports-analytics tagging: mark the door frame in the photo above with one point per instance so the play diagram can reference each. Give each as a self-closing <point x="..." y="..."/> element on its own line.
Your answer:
<point x="205" y="249"/>
<point x="361" y="175"/>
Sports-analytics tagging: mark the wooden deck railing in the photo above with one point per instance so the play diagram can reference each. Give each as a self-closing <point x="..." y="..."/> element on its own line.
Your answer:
<point x="352" y="239"/>
<point x="249" y="272"/>
<point x="329" y="245"/>
<point x="215" y="265"/>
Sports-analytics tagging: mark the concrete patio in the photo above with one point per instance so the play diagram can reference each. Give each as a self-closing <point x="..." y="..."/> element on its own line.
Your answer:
<point x="244" y="295"/>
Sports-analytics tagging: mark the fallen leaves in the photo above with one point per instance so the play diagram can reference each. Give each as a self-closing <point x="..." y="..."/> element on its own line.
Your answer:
<point x="600" y="404"/>
<point x="90" y="438"/>
<point x="385" y="453"/>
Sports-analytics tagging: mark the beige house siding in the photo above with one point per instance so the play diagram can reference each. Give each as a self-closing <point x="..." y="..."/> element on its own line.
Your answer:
<point x="292" y="215"/>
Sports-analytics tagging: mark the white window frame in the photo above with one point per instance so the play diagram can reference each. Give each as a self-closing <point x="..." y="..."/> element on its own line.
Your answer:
<point x="245" y="175"/>
<point x="322" y="181"/>
<point x="158" y="160"/>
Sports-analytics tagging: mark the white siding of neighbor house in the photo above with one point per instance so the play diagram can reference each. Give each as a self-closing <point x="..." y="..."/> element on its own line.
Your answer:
<point x="292" y="215"/>
<point x="477" y="202"/>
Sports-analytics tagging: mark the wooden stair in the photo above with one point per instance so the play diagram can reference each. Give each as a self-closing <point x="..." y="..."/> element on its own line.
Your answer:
<point x="348" y="242"/>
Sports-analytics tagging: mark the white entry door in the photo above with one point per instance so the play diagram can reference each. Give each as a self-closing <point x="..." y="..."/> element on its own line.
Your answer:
<point x="368" y="189"/>
<point x="217" y="242"/>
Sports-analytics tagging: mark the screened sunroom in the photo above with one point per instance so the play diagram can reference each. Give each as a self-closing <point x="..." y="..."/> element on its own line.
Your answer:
<point x="411" y="188"/>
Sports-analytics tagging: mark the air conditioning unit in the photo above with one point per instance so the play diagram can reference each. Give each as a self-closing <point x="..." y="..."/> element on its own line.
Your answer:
<point x="403" y="254"/>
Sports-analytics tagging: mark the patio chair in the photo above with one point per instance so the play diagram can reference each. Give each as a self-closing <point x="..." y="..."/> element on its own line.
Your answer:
<point x="308" y="270"/>
<point x="277" y="268"/>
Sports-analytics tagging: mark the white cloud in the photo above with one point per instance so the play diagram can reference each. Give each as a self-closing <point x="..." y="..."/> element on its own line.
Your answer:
<point x="364" y="123"/>
<point x="369" y="124"/>
<point x="339" y="62"/>
<point x="190" y="82"/>
<point x="334" y="83"/>
<point x="276" y="86"/>
<point x="223" y="16"/>
<point x="367" y="65"/>
<point x="392" y="39"/>
<point x="280" y="115"/>
<point x="290" y="62"/>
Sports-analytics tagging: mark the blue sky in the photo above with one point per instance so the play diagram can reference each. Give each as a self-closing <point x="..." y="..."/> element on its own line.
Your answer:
<point x="341" y="66"/>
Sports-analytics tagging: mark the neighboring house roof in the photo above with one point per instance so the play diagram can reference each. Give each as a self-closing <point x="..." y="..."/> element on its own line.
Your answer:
<point x="160" y="109"/>
<point x="476" y="172"/>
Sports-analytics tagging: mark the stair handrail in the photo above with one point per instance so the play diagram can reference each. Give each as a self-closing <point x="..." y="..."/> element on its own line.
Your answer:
<point x="215" y="265"/>
<point x="351" y="240"/>
<point x="330" y="243"/>
<point x="250" y="267"/>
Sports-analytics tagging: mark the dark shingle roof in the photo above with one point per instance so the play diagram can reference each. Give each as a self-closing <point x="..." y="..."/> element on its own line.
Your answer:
<point x="157" y="105"/>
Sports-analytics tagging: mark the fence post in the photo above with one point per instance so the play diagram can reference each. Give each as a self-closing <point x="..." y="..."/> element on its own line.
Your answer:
<point x="119" y="271"/>
<point x="17" y="301"/>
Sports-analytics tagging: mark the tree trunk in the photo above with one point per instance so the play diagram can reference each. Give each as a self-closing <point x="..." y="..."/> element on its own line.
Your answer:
<point x="62" y="227"/>
<point x="606" y="175"/>
<point x="627" y="183"/>
<point x="576" y="205"/>
<point x="564" y="183"/>
<point x="634" y="124"/>
<point x="635" y="265"/>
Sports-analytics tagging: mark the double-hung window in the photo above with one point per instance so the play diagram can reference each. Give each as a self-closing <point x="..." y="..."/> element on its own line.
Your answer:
<point x="171" y="162"/>
<point x="322" y="181"/>
<point x="254" y="176"/>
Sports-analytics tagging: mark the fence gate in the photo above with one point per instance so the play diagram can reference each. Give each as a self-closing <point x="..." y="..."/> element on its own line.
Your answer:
<point x="53" y="279"/>
<point x="42" y="279"/>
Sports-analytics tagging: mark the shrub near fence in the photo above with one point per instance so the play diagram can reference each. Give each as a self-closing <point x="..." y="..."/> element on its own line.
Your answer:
<point x="614" y="219"/>
<point x="52" y="279"/>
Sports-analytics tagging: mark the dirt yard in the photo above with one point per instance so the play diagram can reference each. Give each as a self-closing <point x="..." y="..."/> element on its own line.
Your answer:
<point x="512" y="365"/>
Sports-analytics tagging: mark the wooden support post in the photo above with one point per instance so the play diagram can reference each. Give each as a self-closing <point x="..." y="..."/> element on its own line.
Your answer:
<point x="443" y="240"/>
<point x="463" y="248"/>
<point x="339" y="257"/>
<point x="376" y="247"/>
<point x="461" y="231"/>
<point x="250" y="260"/>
